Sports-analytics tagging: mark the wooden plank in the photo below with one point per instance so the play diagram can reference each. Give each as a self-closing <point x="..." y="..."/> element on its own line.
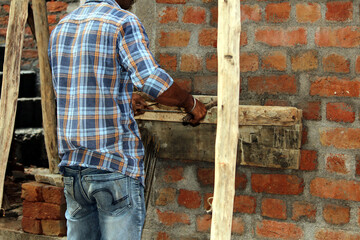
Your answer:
<point x="198" y="144"/>
<point x="11" y="80"/>
<point x="46" y="87"/>
<point x="248" y="115"/>
<point x="228" y="52"/>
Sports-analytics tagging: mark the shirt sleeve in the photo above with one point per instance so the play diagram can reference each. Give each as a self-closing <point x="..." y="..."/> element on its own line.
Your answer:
<point x="137" y="59"/>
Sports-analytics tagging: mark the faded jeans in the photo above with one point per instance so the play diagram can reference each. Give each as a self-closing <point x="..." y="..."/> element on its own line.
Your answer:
<point x="102" y="205"/>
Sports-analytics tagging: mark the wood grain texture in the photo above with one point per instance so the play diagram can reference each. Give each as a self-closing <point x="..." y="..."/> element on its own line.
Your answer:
<point x="46" y="86"/>
<point x="11" y="80"/>
<point x="228" y="52"/>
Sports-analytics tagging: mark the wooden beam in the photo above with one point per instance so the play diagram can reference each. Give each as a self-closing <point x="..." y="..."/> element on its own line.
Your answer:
<point x="228" y="52"/>
<point x="248" y="115"/>
<point x="46" y="86"/>
<point x="11" y="81"/>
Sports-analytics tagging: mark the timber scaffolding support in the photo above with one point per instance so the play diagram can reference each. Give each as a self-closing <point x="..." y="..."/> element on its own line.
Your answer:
<point x="20" y="12"/>
<point x="228" y="49"/>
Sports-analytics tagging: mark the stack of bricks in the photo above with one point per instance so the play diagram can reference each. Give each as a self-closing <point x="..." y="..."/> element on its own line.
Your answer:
<point x="43" y="209"/>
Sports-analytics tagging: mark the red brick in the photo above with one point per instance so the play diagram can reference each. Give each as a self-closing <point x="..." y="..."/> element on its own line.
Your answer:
<point x="250" y="13"/>
<point x="357" y="64"/>
<point x="6" y="8"/>
<point x="249" y="62"/>
<point x="272" y="84"/>
<point x="330" y="234"/>
<point x="189" y="199"/>
<point x="54" y="227"/>
<point x="170" y="218"/>
<point x="333" y="86"/>
<point x="3" y="32"/>
<point x="238" y="225"/>
<point x="208" y="37"/>
<point x="346" y="37"/>
<point x="357" y="159"/>
<point x="336" y="64"/>
<point x="168" y="15"/>
<point x="340" y="112"/>
<point x="305" y="61"/>
<point x="335" y="189"/>
<point x="42" y="210"/>
<point x="282" y="37"/>
<point x="311" y="110"/>
<point x="205" y="85"/>
<point x="206" y="177"/>
<point x="196" y="15"/>
<point x="52" y="19"/>
<point x="277" y="184"/>
<point x="212" y="63"/>
<point x="243" y="38"/>
<point x="276" y="102"/>
<point x="32" y="191"/>
<point x="336" y="163"/>
<point x="190" y="63"/>
<point x="163" y="236"/>
<point x="174" y="174"/>
<point x="168" y="61"/>
<point x="172" y="1"/>
<point x="339" y="11"/>
<point x="53" y="194"/>
<point x="303" y="210"/>
<point x="214" y="15"/>
<point x="273" y="208"/>
<point x="4" y="20"/>
<point x="203" y="223"/>
<point x="165" y="196"/>
<point x="343" y="138"/>
<point x="278" y="230"/>
<point x="56" y="6"/>
<point x="184" y="83"/>
<point x="244" y="204"/>
<point x="335" y="214"/>
<point x="176" y="38"/>
<point x="29" y="53"/>
<point x="278" y="12"/>
<point x="308" y="160"/>
<point x="304" y="135"/>
<point x="29" y="43"/>
<point x="31" y="225"/>
<point x="274" y="61"/>
<point x="308" y="12"/>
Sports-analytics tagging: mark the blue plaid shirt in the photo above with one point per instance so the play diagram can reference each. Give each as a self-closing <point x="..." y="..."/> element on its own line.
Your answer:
<point x="98" y="53"/>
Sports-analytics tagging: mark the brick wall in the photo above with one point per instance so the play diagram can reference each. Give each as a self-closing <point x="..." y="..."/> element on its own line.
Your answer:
<point x="293" y="53"/>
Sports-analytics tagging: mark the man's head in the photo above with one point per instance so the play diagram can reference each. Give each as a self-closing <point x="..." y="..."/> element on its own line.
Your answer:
<point x="125" y="4"/>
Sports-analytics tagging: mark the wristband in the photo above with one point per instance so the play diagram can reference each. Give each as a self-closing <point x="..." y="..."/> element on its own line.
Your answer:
<point x="193" y="106"/>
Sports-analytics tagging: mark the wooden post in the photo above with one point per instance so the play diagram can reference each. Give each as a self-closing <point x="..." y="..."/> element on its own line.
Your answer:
<point x="228" y="49"/>
<point x="11" y="81"/>
<point x="46" y="86"/>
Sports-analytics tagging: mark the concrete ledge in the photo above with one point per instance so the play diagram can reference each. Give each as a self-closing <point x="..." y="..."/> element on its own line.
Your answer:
<point x="43" y="175"/>
<point x="11" y="230"/>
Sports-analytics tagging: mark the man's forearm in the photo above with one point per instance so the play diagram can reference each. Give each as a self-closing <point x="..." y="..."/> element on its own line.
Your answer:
<point x="176" y="96"/>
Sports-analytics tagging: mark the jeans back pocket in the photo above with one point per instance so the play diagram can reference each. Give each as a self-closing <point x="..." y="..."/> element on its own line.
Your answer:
<point x="110" y="191"/>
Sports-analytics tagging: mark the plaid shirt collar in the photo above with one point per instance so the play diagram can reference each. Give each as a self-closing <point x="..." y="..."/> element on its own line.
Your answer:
<point x="111" y="2"/>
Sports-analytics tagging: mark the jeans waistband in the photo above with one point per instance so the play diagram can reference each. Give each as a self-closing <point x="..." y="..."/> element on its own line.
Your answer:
<point x="83" y="170"/>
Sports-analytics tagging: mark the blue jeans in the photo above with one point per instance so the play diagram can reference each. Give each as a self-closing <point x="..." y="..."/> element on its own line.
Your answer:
<point x="103" y="205"/>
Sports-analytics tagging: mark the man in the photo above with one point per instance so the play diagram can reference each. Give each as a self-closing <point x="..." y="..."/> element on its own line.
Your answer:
<point x="98" y="53"/>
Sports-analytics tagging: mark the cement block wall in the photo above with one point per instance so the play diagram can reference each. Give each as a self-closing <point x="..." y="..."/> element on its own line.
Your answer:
<point x="293" y="53"/>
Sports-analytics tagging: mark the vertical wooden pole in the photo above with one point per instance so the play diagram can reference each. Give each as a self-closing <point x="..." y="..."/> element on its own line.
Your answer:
<point x="228" y="49"/>
<point x="46" y="86"/>
<point x="11" y="81"/>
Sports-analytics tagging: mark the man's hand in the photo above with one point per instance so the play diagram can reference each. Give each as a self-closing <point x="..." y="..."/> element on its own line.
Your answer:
<point x="138" y="103"/>
<point x="198" y="112"/>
